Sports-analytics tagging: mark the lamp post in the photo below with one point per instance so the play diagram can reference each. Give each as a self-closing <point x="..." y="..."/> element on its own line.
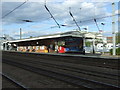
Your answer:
<point x="113" y="28"/>
<point x="20" y="33"/>
<point x="21" y="28"/>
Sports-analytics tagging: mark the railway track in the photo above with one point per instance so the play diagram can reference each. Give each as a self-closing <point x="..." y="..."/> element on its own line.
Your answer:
<point x="84" y="60"/>
<point x="70" y="66"/>
<point x="107" y="73"/>
<point x="33" y="80"/>
<point x="14" y="83"/>
<point x="90" y="77"/>
<point x="67" y="77"/>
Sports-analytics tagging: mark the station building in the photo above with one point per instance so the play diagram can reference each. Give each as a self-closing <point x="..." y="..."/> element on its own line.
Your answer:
<point x="71" y="41"/>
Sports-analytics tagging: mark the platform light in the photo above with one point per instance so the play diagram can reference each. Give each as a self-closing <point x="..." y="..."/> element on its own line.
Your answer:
<point x="37" y="43"/>
<point x="14" y="45"/>
<point x="9" y="44"/>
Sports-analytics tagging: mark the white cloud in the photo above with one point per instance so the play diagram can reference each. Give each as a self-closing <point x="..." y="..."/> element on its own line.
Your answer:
<point x="39" y="25"/>
<point x="39" y="0"/>
<point x="103" y="0"/>
<point x="37" y="12"/>
<point x="27" y="33"/>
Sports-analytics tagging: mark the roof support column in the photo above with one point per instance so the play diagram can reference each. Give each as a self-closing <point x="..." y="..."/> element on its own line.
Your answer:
<point x="113" y="29"/>
<point x="93" y="42"/>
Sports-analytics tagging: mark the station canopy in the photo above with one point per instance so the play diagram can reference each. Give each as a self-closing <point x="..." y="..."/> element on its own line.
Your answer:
<point x="58" y="35"/>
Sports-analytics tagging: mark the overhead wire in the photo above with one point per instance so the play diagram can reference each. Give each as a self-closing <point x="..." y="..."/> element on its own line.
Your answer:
<point x="73" y="18"/>
<point x="94" y="18"/>
<point x="14" y="9"/>
<point x="51" y="14"/>
<point x="101" y="6"/>
<point x="33" y="24"/>
<point x="84" y="20"/>
<point x="96" y="24"/>
<point x="54" y="18"/>
<point x="97" y="18"/>
<point x="88" y="20"/>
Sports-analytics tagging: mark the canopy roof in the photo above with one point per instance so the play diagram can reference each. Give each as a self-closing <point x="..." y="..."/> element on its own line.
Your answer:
<point x="58" y="35"/>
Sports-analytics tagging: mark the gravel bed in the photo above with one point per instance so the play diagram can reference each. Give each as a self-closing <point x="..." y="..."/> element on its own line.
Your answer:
<point x="99" y="62"/>
<point x="77" y="66"/>
<point x="80" y="66"/>
<point x="106" y="70"/>
<point x="8" y="84"/>
<point x="32" y="80"/>
<point x="114" y="82"/>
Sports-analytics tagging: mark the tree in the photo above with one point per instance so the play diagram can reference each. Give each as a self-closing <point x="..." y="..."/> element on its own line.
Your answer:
<point x="98" y="41"/>
<point x="31" y="37"/>
<point x="88" y="44"/>
<point x="118" y="37"/>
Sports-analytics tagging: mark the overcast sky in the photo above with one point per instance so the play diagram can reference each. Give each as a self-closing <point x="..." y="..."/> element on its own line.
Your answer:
<point x="83" y="11"/>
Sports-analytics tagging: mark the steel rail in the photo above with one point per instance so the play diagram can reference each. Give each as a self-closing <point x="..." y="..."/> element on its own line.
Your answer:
<point x="113" y="64"/>
<point x="73" y="69"/>
<point x="14" y="81"/>
<point x="70" y="68"/>
<point x="110" y="77"/>
<point x="70" y="78"/>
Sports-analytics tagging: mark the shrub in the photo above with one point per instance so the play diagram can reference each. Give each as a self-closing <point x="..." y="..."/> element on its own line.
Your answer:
<point x="88" y="44"/>
<point x="117" y="51"/>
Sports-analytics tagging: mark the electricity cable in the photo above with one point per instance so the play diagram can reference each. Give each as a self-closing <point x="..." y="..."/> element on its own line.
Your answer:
<point x="96" y="24"/>
<point x="89" y="20"/>
<point x="73" y="18"/>
<point x="14" y="9"/>
<point x="51" y="14"/>
<point x="97" y="18"/>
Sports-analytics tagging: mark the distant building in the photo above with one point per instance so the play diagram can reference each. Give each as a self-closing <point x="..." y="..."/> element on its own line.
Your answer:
<point x="3" y="39"/>
<point x="109" y="39"/>
<point x="99" y="46"/>
<point x="109" y="45"/>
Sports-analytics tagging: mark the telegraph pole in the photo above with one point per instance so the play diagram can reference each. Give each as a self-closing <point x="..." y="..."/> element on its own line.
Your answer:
<point x="113" y="29"/>
<point x="20" y="33"/>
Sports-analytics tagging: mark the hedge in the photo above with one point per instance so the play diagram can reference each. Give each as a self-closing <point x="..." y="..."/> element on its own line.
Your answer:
<point x="117" y="51"/>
